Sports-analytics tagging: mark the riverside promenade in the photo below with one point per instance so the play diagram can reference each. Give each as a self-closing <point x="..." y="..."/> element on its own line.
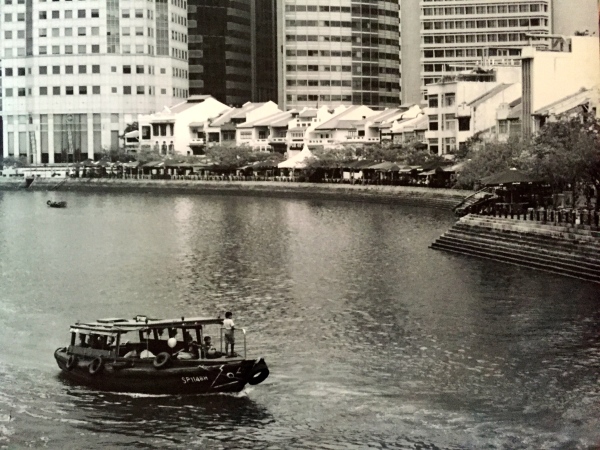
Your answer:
<point x="405" y="195"/>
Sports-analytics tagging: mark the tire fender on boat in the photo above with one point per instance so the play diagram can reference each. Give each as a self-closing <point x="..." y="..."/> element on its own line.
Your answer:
<point x="96" y="366"/>
<point x="259" y="372"/>
<point x="71" y="362"/>
<point x="162" y="360"/>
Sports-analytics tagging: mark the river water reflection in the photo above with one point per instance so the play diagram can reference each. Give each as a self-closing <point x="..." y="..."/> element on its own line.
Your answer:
<point x="374" y="340"/>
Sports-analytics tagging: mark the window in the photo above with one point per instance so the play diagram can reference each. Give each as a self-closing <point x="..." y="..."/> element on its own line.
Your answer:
<point x="68" y="69"/>
<point x="56" y="90"/>
<point x="125" y="31"/>
<point x="449" y="99"/>
<point x="55" y="49"/>
<point x="68" y="14"/>
<point x="126" y="69"/>
<point x="8" y="92"/>
<point x="126" y="49"/>
<point x="95" y="48"/>
<point x="81" y="13"/>
<point x="125" y="14"/>
<point x="43" y="70"/>
<point x="433" y="101"/>
<point x="95" y="13"/>
<point x="433" y="123"/>
<point x="68" y="49"/>
<point x="43" y="32"/>
<point x="464" y="123"/>
<point x="21" y="92"/>
<point x="68" y="31"/>
<point x="140" y="90"/>
<point x="69" y="90"/>
<point x="82" y="90"/>
<point x="95" y="90"/>
<point x="113" y="90"/>
<point x="82" y="69"/>
<point x="139" y="48"/>
<point x="81" y="31"/>
<point x="21" y="71"/>
<point x="43" y="90"/>
<point x="43" y="50"/>
<point x="95" y="31"/>
<point x="139" y="31"/>
<point x="55" y="32"/>
<point x="8" y="17"/>
<point x="450" y="122"/>
<point x="81" y="49"/>
<point x="42" y="15"/>
<point x="56" y="14"/>
<point x="96" y="68"/>
<point x="139" y="69"/>
<point x="56" y="70"/>
<point x="127" y="90"/>
<point x="139" y="13"/>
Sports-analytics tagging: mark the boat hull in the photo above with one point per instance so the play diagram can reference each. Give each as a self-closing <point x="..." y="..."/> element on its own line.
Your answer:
<point x="180" y="377"/>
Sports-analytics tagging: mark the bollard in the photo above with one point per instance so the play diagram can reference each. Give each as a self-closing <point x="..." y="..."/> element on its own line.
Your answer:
<point x="537" y="215"/>
<point x="545" y="216"/>
<point x="531" y="214"/>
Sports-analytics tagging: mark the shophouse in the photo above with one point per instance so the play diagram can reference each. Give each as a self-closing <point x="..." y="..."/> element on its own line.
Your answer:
<point x="179" y="129"/>
<point x="341" y="129"/>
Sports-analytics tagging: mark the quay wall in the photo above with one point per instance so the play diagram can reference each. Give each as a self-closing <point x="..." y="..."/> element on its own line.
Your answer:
<point x="404" y="195"/>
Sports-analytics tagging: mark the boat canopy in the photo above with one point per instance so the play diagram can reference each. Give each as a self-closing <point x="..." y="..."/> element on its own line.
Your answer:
<point x="114" y="326"/>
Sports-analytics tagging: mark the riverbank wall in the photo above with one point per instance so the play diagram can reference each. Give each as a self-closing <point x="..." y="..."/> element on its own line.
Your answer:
<point x="565" y="249"/>
<point x="402" y="195"/>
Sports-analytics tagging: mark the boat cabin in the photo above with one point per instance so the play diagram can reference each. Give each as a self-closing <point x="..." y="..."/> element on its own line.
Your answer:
<point x="145" y="338"/>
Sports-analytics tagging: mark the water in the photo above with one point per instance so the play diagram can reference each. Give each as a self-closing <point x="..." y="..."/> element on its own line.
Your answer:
<point x="374" y="341"/>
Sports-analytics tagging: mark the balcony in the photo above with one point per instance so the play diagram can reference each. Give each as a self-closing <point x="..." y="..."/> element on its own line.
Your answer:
<point x="197" y="141"/>
<point x="278" y="139"/>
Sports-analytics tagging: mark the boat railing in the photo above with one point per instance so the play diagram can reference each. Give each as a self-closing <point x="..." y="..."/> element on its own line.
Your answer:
<point x="243" y="330"/>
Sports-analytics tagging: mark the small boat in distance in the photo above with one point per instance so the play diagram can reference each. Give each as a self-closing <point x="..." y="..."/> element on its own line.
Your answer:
<point x="52" y="204"/>
<point x="157" y="356"/>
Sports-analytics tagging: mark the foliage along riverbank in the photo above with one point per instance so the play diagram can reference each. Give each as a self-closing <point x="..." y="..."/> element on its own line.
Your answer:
<point x="406" y="195"/>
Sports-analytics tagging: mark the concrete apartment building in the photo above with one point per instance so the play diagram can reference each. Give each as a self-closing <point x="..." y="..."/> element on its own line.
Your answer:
<point x="74" y="74"/>
<point x="440" y="37"/>
<point x="339" y="52"/>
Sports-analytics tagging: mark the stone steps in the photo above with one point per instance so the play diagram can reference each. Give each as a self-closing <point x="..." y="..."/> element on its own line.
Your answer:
<point x="569" y="251"/>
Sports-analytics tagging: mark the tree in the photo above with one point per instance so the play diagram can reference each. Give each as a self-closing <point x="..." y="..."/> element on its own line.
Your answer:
<point x="229" y="157"/>
<point x="11" y="161"/>
<point x="492" y="157"/>
<point x="567" y="154"/>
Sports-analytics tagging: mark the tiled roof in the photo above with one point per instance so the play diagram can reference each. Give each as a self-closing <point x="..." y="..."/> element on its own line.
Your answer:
<point x="566" y="103"/>
<point x="489" y="94"/>
<point x="338" y="122"/>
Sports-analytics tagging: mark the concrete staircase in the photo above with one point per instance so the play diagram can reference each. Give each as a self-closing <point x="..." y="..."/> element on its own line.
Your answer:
<point x="570" y="251"/>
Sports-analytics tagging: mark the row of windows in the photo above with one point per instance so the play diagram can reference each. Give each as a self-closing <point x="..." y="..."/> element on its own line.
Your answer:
<point x="462" y="52"/>
<point x="472" y="38"/>
<point x="491" y="9"/>
<point x="94" y="48"/>
<point x="82" y="69"/>
<point x="345" y="83"/>
<point x="363" y="10"/>
<point x="374" y="55"/>
<point x="317" y="98"/>
<point x="354" y="39"/>
<point x="495" y="23"/>
<point x="68" y="14"/>
<point x="355" y="24"/>
<point x="317" y="68"/>
<point x="95" y="90"/>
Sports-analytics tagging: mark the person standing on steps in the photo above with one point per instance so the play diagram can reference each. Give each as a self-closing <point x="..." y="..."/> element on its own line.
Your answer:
<point x="229" y="327"/>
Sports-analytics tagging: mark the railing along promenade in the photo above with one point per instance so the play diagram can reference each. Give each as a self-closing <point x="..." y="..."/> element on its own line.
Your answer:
<point x="561" y="217"/>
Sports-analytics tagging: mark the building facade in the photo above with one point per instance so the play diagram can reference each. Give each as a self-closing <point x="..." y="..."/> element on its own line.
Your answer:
<point x="458" y="34"/>
<point x="343" y="52"/>
<point x="221" y="50"/>
<point x="76" y="73"/>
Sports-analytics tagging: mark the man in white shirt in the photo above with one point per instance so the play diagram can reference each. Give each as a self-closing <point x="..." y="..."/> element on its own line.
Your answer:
<point x="229" y="327"/>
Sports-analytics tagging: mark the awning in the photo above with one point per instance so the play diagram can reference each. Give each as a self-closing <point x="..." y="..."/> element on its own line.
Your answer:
<point x="132" y="134"/>
<point x="196" y="124"/>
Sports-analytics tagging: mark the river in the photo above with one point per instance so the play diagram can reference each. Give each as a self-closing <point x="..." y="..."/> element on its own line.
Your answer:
<point x="374" y="341"/>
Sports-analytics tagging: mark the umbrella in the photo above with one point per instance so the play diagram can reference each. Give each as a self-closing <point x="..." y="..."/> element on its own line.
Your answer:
<point x="511" y="176"/>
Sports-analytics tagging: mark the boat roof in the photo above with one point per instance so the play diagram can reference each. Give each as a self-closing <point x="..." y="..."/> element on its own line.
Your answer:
<point x="116" y="325"/>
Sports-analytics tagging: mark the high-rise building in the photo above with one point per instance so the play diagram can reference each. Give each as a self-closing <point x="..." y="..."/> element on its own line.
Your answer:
<point x="338" y="52"/>
<point x="76" y="73"/>
<point x="456" y="34"/>
<point x="233" y="50"/>
<point x="220" y="45"/>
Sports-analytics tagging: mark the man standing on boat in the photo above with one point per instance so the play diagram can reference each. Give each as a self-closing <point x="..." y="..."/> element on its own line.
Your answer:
<point x="229" y="327"/>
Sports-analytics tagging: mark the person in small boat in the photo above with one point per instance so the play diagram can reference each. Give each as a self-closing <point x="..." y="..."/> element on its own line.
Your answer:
<point x="229" y="327"/>
<point x="208" y="350"/>
<point x="190" y="352"/>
